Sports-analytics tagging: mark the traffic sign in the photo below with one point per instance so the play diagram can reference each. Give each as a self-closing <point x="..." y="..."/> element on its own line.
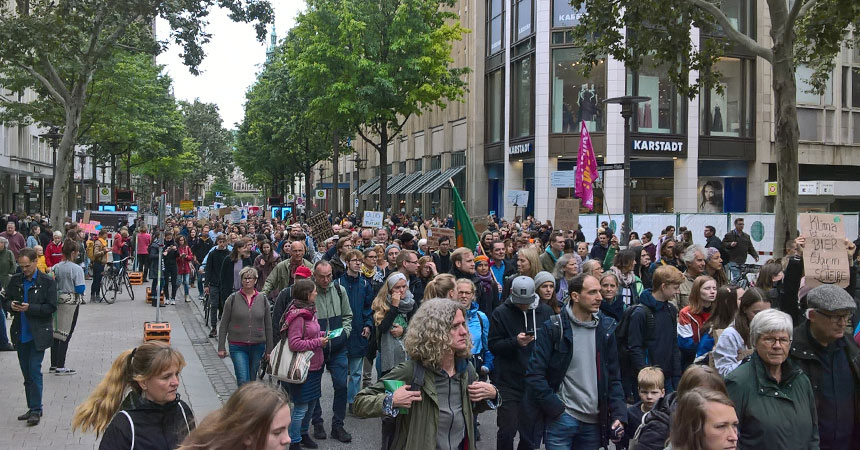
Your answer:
<point x="291" y="198"/>
<point x="300" y="201"/>
<point x="319" y="194"/>
<point x="355" y="203"/>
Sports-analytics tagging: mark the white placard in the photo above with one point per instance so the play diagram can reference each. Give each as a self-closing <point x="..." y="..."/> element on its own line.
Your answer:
<point x="372" y="219"/>
<point x="291" y="198"/>
<point x="203" y="213"/>
<point x="319" y="194"/>
<point x="518" y="198"/>
<point x="236" y="216"/>
<point x="563" y="179"/>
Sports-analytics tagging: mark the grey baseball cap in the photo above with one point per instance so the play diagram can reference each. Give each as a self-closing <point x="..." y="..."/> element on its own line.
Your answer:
<point x="523" y="290"/>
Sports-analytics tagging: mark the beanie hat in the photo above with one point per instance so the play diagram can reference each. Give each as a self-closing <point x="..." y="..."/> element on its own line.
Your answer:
<point x="482" y="258"/>
<point x="302" y="272"/>
<point x="829" y="297"/>
<point x="542" y="277"/>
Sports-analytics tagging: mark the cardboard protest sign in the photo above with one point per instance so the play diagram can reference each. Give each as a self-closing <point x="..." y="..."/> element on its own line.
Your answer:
<point x="825" y="258"/>
<point x="320" y="227"/>
<point x="437" y="232"/>
<point x="566" y="214"/>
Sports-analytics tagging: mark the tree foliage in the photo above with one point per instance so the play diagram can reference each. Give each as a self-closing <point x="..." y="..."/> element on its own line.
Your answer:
<point x="60" y="44"/>
<point x="375" y="63"/>
<point x="215" y="154"/>
<point x="809" y="32"/>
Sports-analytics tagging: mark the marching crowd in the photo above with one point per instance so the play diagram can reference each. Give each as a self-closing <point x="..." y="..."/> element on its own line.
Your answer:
<point x="575" y="344"/>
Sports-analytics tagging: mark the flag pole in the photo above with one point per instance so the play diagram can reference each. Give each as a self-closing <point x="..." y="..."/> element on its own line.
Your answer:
<point x="480" y="244"/>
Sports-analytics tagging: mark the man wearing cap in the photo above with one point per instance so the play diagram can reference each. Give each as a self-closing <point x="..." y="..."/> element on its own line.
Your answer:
<point x="407" y="240"/>
<point x="831" y="360"/>
<point x="513" y="328"/>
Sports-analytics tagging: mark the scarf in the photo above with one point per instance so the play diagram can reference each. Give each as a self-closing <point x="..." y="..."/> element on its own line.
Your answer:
<point x="368" y="272"/>
<point x="487" y="281"/>
<point x="625" y="279"/>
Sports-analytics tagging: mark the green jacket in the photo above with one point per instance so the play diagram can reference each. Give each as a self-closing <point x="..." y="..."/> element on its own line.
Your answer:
<point x="417" y="429"/>
<point x="7" y="266"/>
<point x="773" y="415"/>
<point x="281" y="278"/>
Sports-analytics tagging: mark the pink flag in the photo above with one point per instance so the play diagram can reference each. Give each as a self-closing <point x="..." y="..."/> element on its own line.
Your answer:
<point x="586" y="169"/>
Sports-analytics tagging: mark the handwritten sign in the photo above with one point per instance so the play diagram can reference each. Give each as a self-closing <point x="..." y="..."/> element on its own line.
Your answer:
<point x="372" y="219"/>
<point x="436" y="233"/>
<point x="566" y="214"/>
<point x="825" y="258"/>
<point x="320" y="227"/>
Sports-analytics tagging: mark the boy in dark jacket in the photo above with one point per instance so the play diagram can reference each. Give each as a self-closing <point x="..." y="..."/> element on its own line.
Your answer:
<point x="573" y="377"/>
<point x="513" y="329"/>
<point x="360" y="295"/>
<point x="652" y="338"/>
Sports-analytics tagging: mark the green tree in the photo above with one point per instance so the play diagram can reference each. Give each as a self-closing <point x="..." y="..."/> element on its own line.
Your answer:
<point x="372" y="64"/>
<point x="222" y="185"/>
<point x="809" y="32"/>
<point x="204" y="125"/>
<point x="60" y="44"/>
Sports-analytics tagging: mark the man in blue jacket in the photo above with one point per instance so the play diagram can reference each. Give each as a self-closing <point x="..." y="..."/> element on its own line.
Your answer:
<point x="360" y="294"/>
<point x="578" y="393"/>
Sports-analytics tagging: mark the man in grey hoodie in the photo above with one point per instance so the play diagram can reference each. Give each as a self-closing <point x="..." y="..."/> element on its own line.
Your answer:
<point x="513" y="328"/>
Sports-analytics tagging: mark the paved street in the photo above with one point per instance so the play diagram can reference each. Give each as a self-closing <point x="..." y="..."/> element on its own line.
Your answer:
<point x="103" y="331"/>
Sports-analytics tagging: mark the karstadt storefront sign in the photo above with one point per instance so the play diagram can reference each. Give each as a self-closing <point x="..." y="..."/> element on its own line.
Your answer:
<point x="649" y="146"/>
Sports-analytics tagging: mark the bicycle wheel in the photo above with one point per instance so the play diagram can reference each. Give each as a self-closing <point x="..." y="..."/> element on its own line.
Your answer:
<point x="105" y="288"/>
<point x="110" y="294"/>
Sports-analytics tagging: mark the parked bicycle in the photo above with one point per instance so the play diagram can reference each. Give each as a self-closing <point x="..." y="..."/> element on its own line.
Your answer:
<point x="115" y="280"/>
<point x="748" y="275"/>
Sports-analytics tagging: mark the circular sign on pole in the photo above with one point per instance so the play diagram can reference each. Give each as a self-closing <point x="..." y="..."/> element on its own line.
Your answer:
<point x="291" y="198"/>
<point x="320" y="194"/>
<point x="355" y="203"/>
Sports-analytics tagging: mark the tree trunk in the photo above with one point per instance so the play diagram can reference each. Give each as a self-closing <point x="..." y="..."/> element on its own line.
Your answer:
<point x="786" y="137"/>
<point x="308" y="187"/>
<point x="65" y="161"/>
<point x="335" y="175"/>
<point x="383" y="170"/>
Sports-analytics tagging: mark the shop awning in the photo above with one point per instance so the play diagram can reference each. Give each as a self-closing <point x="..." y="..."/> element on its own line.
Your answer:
<point x="391" y="180"/>
<point x="440" y="180"/>
<point x="364" y="187"/>
<point x="405" y="181"/>
<point x="420" y="182"/>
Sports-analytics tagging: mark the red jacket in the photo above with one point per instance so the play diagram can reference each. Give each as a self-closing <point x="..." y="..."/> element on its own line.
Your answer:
<point x="53" y="254"/>
<point x="183" y="260"/>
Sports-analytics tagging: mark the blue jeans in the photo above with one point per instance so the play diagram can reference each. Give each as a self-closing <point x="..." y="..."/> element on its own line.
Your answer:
<point x="246" y="360"/>
<point x="31" y="367"/>
<point x="567" y="433"/>
<point x="354" y="381"/>
<point x="337" y="366"/>
<point x="734" y="271"/>
<point x="298" y="424"/>
<point x="4" y="337"/>
<point x="183" y="279"/>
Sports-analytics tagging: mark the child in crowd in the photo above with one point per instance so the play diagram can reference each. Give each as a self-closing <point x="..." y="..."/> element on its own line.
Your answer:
<point x="651" y="388"/>
<point x="41" y="264"/>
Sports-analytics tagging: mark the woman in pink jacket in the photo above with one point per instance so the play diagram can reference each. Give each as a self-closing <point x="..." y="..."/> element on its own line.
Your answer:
<point x="303" y="333"/>
<point x="184" y="256"/>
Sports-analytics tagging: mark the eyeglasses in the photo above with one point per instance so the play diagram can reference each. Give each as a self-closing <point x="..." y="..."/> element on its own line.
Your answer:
<point x="835" y="318"/>
<point x="770" y="340"/>
<point x="249" y="278"/>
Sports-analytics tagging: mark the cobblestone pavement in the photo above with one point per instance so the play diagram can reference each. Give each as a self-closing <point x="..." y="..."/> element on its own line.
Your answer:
<point x="103" y="332"/>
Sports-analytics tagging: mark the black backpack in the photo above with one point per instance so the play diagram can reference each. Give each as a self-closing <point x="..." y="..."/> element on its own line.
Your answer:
<point x="622" y="333"/>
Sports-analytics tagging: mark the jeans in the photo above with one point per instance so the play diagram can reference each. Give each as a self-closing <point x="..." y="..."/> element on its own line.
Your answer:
<point x="246" y="360"/>
<point x="214" y="305"/>
<point x="337" y="366"/>
<point x="182" y="280"/>
<point x="30" y="361"/>
<point x="96" y="287"/>
<point x="299" y="425"/>
<point x="508" y="420"/>
<point x="59" y="348"/>
<point x="4" y="337"/>
<point x="200" y="282"/>
<point x="567" y="433"/>
<point x="734" y="270"/>
<point x="354" y="381"/>
<point x="170" y="277"/>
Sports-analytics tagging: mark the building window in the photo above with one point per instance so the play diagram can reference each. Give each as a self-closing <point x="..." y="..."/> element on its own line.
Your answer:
<point x="495" y="25"/>
<point x="740" y="14"/>
<point x="402" y="168"/>
<point x="731" y="111"/>
<point x="417" y="165"/>
<point x="576" y="98"/>
<point x="459" y="159"/>
<point x="665" y="113"/>
<point x="522" y="95"/>
<point x="563" y="14"/>
<point x="495" y="105"/>
<point x="522" y="19"/>
<point x="851" y="102"/>
<point x="805" y="96"/>
<point x="813" y="123"/>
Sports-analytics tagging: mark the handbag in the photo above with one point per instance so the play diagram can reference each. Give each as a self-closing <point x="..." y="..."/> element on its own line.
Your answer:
<point x="289" y="366"/>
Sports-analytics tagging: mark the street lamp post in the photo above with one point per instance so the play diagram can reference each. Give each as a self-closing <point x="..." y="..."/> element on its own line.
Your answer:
<point x="82" y="154"/>
<point x="628" y="103"/>
<point x="53" y="136"/>
<point x="360" y="164"/>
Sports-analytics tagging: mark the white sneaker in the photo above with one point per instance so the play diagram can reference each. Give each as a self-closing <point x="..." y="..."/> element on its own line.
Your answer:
<point x="187" y="298"/>
<point x="172" y="301"/>
<point x="65" y="371"/>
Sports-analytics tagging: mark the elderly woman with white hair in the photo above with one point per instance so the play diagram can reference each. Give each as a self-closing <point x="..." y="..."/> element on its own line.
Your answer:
<point x="567" y="267"/>
<point x="773" y="397"/>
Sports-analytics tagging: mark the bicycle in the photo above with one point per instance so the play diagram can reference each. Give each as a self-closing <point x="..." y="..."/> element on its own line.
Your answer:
<point x="115" y="279"/>
<point x="748" y="275"/>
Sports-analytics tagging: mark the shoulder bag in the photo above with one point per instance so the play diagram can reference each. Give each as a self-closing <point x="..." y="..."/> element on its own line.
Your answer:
<point x="289" y="366"/>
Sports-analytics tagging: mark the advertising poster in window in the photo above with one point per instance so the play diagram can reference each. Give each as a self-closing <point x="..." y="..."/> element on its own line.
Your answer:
<point x="711" y="192"/>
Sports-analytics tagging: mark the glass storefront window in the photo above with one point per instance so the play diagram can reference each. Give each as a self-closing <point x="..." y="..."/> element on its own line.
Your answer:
<point x="495" y="25"/>
<point x="804" y="96"/>
<point x="665" y="112"/>
<point x="563" y="14"/>
<point x="495" y="106"/>
<point x="522" y="87"/>
<point x="522" y="19"/>
<point x="729" y="113"/>
<point x="576" y="98"/>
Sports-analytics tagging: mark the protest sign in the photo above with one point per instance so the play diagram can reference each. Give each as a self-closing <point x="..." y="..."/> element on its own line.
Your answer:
<point x="566" y="214"/>
<point x="320" y="227"/>
<point x="372" y="219"/>
<point x="825" y="258"/>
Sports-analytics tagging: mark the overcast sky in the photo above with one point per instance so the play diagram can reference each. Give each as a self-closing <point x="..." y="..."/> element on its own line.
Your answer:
<point x="233" y="59"/>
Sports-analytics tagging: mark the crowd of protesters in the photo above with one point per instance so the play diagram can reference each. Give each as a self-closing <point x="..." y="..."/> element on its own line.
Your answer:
<point x="575" y="344"/>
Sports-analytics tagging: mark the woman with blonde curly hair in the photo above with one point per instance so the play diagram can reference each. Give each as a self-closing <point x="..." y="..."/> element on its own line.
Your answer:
<point x="256" y="416"/>
<point x="136" y="403"/>
<point x="439" y="348"/>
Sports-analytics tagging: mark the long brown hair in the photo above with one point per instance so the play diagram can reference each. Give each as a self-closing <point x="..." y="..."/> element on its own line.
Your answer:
<point x="752" y="296"/>
<point x="246" y="416"/>
<point x="688" y="421"/>
<point x="132" y="366"/>
<point x="696" y="304"/>
<point x="724" y="309"/>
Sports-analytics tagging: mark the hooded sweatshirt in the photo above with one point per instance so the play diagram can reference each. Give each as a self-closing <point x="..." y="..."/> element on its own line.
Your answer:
<point x="511" y="360"/>
<point x="579" y="388"/>
<point x="661" y="351"/>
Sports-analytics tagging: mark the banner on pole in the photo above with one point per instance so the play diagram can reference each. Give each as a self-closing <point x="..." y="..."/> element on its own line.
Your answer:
<point x="586" y="169"/>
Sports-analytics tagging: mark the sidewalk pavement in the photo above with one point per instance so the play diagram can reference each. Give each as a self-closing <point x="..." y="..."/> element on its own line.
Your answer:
<point x="103" y="332"/>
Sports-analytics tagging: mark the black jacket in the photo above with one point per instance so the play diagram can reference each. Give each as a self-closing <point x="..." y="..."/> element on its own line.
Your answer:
<point x="458" y="274"/>
<point x="654" y="431"/>
<point x="511" y="360"/>
<point x="200" y="247"/>
<point x="213" y="266"/>
<point x="156" y="427"/>
<point x="42" y="298"/>
<point x="443" y="263"/>
<point x="661" y="349"/>
<point x="225" y="276"/>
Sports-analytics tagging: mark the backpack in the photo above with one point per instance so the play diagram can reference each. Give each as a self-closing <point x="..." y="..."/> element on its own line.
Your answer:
<point x="622" y="333"/>
<point x="90" y="250"/>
